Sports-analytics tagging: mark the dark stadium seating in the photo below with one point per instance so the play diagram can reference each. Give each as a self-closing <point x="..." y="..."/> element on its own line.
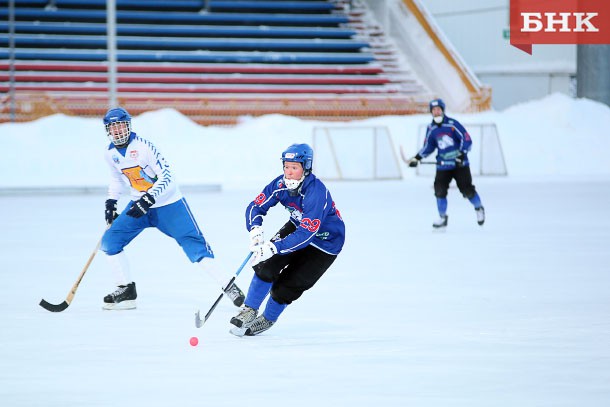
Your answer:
<point x="274" y="6"/>
<point x="158" y="17"/>
<point x="83" y="29"/>
<point x="170" y="44"/>
<point x="167" y="56"/>
<point x="310" y="58"/>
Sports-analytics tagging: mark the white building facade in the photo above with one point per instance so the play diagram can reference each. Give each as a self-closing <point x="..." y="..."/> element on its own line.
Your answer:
<point x="479" y="32"/>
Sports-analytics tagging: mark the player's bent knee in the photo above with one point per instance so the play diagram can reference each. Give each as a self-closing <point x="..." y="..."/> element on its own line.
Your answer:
<point x="111" y="251"/>
<point x="109" y="248"/>
<point x="284" y="295"/>
<point x="469" y="193"/>
<point x="264" y="273"/>
<point x="440" y="192"/>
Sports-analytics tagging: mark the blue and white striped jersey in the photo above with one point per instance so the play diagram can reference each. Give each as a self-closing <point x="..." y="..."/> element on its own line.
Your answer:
<point x="142" y="168"/>
<point x="312" y="211"/>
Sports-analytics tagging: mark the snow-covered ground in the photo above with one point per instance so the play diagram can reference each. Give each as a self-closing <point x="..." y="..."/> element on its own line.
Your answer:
<point x="515" y="313"/>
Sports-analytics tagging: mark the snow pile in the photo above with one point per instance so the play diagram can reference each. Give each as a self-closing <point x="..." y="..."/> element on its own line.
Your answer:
<point x="554" y="136"/>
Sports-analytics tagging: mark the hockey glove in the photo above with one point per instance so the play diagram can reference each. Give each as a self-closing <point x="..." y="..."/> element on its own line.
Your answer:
<point x="262" y="252"/>
<point x="111" y="213"/>
<point x="256" y="236"/>
<point x="140" y="207"/>
<point x="459" y="160"/>
<point x="414" y="162"/>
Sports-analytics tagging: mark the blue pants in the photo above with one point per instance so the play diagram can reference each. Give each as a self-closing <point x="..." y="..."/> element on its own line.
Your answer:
<point x="175" y="220"/>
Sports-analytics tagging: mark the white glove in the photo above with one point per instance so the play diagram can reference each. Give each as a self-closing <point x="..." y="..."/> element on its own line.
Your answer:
<point x="262" y="252"/>
<point x="256" y="236"/>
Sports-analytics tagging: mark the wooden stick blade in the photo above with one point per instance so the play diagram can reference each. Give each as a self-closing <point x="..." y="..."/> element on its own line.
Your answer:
<point x="52" y="307"/>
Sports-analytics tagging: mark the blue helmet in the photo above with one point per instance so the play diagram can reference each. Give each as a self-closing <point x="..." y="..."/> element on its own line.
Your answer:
<point x="119" y="134"/>
<point x="299" y="153"/>
<point x="437" y="102"/>
<point x="117" y="114"/>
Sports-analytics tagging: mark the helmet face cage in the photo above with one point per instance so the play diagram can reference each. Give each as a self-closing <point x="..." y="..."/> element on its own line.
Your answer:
<point x="118" y="126"/>
<point x="119" y="132"/>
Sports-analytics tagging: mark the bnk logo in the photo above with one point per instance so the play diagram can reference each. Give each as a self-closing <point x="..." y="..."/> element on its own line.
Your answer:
<point x="532" y="22"/>
<point x="559" y="22"/>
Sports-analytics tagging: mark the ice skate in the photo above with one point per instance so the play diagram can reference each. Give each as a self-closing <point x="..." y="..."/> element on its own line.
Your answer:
<point x="235" y="294"/>
<point x="441" y="222"/>
<point x="480" y="215"/>
<point x="123" y="298"/>
<point x="259" y="325"/>
<point x="245" y="316"/>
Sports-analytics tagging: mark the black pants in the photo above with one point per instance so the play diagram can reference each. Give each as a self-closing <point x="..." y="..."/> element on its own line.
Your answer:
<point x="294" y="273"/>
<point x="462" y="177"/>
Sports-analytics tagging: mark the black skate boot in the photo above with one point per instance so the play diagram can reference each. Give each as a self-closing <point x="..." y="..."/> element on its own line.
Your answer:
<point x="259" y="325"/>
<point x="245" y="316"/>
<point x="124" y="297"/>
<point x="235" y="294"/>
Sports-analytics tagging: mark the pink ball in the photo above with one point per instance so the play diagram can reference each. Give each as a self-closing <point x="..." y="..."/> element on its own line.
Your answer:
<point x="194" y="341"/>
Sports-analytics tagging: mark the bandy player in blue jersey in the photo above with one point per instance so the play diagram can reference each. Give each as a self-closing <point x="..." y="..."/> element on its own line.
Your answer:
<point x="156" y="201"/>
<point x="452" y="143"/>
<point x="300" y="252"/>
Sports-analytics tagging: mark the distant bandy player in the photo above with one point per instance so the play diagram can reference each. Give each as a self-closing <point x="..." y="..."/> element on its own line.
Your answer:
<point x="301" y="251"/>
<point x="156" y="202"/>
<point x="452" y="143"/>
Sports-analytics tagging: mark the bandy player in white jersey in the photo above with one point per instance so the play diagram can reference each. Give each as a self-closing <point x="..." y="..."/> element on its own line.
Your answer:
<point x="156" y="201"/>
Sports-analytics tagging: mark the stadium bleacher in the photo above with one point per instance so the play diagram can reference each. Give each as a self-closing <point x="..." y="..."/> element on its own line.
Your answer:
<point x="213" y="60"/>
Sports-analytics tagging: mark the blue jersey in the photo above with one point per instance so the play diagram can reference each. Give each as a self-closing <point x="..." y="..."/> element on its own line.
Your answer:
<point x="312" y="211"/>
<point x="449" y="139"/>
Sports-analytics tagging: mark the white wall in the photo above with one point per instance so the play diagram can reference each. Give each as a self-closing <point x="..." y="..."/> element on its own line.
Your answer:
<point x="422" y="56"/>
<point x="476" y="28"/>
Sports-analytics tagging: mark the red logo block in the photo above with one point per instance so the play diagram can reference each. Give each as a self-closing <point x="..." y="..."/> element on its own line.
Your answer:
<point x="559" y="22"/>
<point x="260" y="198"/>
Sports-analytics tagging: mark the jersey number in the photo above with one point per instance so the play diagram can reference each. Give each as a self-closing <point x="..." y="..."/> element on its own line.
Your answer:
<point x="311" y="225"/>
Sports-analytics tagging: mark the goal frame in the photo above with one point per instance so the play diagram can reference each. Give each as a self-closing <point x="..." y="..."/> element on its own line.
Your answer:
<point x="377" y="132"/>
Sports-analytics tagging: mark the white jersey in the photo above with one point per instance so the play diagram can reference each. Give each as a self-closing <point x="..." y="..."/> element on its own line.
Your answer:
<point x="142" y="168"/>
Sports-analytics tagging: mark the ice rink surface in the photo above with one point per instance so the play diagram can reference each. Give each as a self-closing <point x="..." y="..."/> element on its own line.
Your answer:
<point x="514" y="313"/>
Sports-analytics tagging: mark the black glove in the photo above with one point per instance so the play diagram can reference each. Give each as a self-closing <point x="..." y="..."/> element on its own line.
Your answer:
<point x="110" y="213"/>
<point x="459" y="160"/>
<point x="414" y="162"/>
<point x="141" y="206"/>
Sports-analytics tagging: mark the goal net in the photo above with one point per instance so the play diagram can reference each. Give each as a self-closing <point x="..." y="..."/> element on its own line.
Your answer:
<point x="486" y="156"/>
<point x="355" y="153"/>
